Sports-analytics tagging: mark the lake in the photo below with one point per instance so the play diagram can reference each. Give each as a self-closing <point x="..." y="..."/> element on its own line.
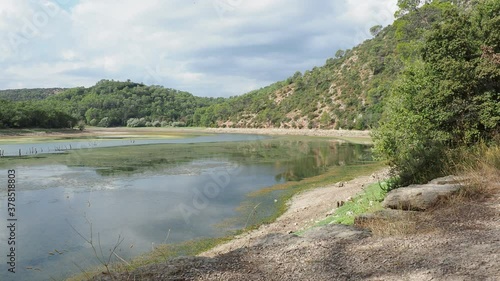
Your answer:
<point x="131" y="195"/>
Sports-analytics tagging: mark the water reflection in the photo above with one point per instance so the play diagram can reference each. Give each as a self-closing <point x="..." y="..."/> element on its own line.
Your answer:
<point x="137" y="193"/>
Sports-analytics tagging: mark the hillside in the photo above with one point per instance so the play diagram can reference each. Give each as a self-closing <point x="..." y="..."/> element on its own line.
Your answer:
<point x="107" y="104"/>
<point x="347" y="92"/>
<point x="28" y="94"/>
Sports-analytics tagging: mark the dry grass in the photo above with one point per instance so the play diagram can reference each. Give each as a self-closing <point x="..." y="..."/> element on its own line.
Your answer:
<point x="479" y="168"/>
<point x="404" y="224"/>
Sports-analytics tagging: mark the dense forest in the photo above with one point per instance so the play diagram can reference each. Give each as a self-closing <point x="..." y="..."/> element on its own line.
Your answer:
<point x="108" y="103"/>
<point x="28" y="114"/>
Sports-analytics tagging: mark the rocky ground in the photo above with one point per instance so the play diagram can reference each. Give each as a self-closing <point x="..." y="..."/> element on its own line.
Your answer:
<point x="455" y="240"/>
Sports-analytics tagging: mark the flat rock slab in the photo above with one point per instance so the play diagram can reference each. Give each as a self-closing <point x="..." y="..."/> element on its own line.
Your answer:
<point x="418" y="197"/>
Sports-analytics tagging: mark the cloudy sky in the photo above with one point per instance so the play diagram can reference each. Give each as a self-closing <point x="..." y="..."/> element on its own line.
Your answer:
<point x="206" y="47"/>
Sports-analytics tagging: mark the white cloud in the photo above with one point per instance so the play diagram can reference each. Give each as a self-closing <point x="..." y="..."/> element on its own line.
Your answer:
<point x="207" y="47"/>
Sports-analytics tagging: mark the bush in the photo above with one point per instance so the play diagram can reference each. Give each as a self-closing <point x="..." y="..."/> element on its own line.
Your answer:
<point x="81" y="125"/>
<point x="105" y="122"/>
<point x="136" y="122"/>
<point x="408" y="140"/>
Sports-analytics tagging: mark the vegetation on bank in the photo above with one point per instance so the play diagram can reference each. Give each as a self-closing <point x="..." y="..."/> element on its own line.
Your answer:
<point x="33" y="114"/>
<point x="448" y="97"/>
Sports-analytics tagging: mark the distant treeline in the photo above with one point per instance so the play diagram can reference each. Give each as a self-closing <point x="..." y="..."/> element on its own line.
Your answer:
<point x="107" y="104"/>
<point x="32" y="114"/>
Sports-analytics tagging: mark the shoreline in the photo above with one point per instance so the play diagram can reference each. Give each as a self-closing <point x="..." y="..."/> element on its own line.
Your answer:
<point x="362" y="137"/>
<point x="304" y="210"/>
<point x="117" y="130"/>
<point x="9" y="135"/>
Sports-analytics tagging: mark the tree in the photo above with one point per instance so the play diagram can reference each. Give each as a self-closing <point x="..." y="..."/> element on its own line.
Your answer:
<point x="339" y="54"/>
<point x="407" y="138"/>
<point x="325" y="119"/>
<point x="407" y="6"/>
<point x="375" y="30"/>
<point x="448" y="99"/>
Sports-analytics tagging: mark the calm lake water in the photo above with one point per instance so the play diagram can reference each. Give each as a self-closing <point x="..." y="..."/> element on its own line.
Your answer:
<point x="146" y="195"/>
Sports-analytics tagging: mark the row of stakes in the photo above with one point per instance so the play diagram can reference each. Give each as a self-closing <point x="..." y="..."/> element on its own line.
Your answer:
<point x="34" y="150"/>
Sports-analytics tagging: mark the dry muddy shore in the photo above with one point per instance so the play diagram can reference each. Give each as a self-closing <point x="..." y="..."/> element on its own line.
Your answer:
<point x="294" y="132"/>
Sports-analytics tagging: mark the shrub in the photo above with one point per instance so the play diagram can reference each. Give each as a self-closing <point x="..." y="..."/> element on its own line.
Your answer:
<point x="105" y="122"/>
<point x="81" y="125"/>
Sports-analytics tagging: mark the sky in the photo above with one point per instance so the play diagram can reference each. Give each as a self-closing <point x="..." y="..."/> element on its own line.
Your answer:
<point x="215" y="48"/>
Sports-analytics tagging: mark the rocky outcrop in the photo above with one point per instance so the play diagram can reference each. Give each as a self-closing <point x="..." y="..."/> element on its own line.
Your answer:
<point x="421" y="197"/>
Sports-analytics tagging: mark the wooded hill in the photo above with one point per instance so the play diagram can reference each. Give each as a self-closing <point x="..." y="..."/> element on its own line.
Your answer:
<point x="110" y="103"/>
<point x="347" y="92"/>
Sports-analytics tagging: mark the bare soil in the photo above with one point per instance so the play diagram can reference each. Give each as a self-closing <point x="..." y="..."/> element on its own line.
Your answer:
<point x="457" y="240"/>
<point x="351" y="135"/>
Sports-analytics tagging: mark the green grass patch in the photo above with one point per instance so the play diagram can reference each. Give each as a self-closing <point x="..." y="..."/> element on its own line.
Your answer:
<point x="369" y="201"/>
<point x="268" y="210"/>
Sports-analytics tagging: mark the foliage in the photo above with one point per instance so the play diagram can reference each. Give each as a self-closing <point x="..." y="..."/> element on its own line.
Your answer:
<point x="30" y="114"/>
<point x="366" y="202"/>
<point x="375" y="30"/>
<point x="113" y="103"/>
<point x="28" y="94"/>
<point x="81" y="125"/>
<point x="448" y="98"/>
<point x="351" y="88"/>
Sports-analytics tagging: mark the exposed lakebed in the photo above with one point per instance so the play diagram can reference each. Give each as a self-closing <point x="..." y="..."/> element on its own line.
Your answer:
<point x="170" y="190"/>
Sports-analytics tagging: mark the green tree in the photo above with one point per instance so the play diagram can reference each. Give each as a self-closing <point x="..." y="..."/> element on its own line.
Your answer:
<point x="375" y="30"/>
<point x="407" y="6"/>
<point x="339" y="54"/>
<point x="450" y="98"/>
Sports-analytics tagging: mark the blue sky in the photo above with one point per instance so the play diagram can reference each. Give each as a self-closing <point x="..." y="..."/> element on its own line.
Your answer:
<point x="206" y="47"/>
